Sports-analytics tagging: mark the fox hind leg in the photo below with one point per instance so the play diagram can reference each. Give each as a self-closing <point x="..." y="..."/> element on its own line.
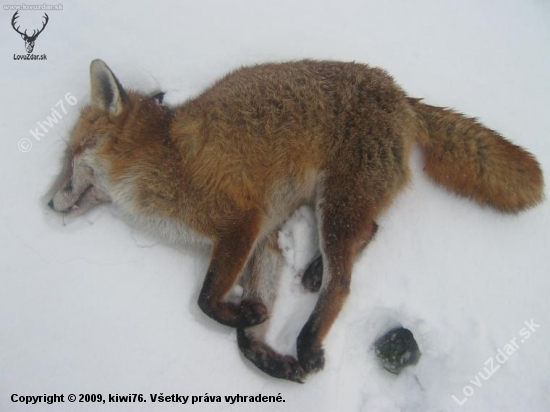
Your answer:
<point x="346" y="226"/>
<point x="260" y="283"/>
<point x="313" y="274"/>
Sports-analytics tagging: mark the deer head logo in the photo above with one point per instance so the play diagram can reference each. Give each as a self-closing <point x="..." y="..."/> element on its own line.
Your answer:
<point x="29" y="40"/>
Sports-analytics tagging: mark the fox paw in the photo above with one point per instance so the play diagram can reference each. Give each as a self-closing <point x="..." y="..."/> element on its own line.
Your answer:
<point x="291" y="370"/>
<point x="312" y="359"/>
<point x="252" y="312"/>
<point x="313" y="275"/>
<point x="266" y="359"/>
<point x="310" y="355"/>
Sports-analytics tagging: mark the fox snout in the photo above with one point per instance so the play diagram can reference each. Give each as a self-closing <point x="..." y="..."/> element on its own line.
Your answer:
<point x="78" y="192"/>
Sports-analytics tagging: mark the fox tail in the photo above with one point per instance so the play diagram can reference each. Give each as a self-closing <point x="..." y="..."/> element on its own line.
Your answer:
<point x="475" y="161"/>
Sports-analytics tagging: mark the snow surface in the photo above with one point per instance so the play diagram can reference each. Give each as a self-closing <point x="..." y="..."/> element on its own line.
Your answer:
<point x="95" y="306"/>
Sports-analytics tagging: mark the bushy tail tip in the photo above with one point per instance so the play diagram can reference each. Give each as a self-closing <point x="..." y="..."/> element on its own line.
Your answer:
<point x="475" y="161"/>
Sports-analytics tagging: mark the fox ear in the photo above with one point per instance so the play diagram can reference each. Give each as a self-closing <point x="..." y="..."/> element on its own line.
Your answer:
<point x="107" y="93"/>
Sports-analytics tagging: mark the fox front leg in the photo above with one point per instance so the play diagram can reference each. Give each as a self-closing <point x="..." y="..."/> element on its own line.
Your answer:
<point x="260" y="282"/>
<point x="229" y="257"/>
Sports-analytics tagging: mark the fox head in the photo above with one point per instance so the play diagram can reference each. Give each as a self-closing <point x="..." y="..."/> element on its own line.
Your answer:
<point x="103" y="146"/>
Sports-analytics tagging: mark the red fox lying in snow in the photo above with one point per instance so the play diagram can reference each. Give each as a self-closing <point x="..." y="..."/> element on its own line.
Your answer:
<point x="228" y="167"/>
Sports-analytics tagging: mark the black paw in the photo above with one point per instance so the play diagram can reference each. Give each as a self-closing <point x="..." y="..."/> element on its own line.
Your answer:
<point x="313" y="275"/>
<point x="289" y="369"/>
<point x="310" y="355"/>
<point x="269" y="361"/>
<point x="312" y="359"/>
<point x="252" y="312"/>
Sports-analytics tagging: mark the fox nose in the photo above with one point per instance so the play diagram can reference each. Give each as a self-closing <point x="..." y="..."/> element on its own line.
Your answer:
<point x="50" y="204"/>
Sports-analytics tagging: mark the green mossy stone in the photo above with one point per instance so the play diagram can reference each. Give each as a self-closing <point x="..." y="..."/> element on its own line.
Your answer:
<point x="397" y="349"/>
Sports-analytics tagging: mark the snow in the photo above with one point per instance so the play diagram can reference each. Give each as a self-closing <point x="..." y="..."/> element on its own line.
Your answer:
<point x="97" y="307"/>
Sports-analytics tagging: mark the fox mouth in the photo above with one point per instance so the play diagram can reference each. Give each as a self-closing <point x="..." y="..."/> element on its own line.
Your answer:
<point x="70" y="202"/>
<point x="85" y="198"/>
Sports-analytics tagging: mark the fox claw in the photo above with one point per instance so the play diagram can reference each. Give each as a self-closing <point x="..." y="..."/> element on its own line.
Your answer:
<point x="292" y="370"/>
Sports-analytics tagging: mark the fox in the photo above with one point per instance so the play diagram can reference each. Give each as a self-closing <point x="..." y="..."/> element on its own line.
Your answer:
<point x="226" y="169"/>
